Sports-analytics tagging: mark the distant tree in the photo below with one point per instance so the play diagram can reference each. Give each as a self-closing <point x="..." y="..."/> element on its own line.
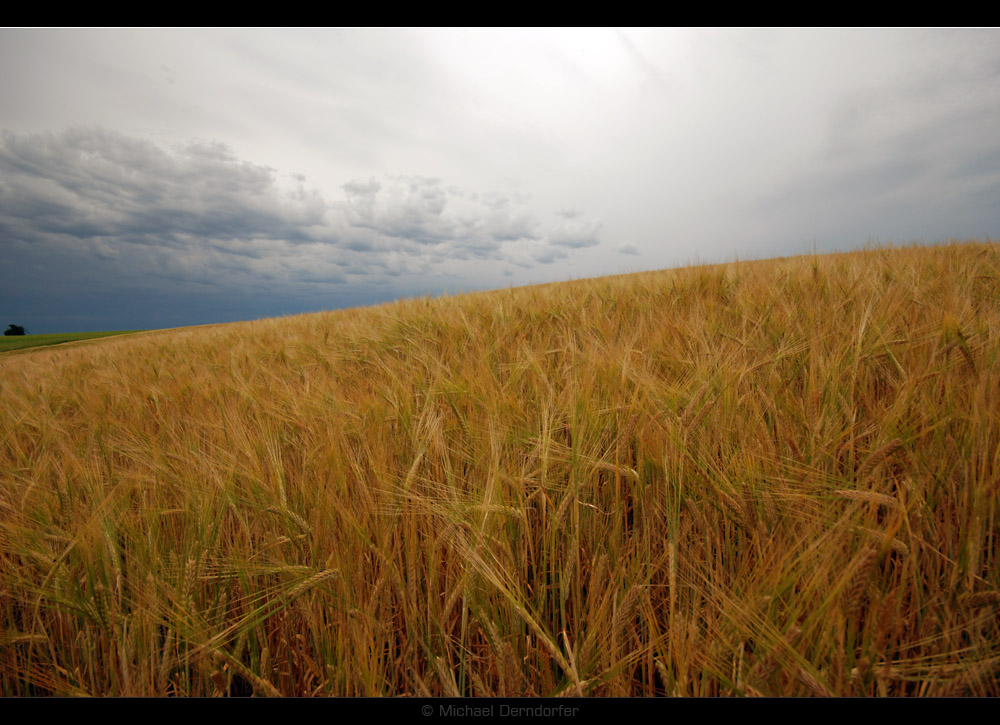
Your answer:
<point x="13" y="330"/>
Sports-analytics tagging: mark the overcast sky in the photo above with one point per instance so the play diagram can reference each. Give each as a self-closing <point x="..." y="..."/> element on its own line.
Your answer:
<point x="159" y="178"/>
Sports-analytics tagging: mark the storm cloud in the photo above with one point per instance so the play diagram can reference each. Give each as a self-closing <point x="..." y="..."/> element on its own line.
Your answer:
<point x="93" y="204"/>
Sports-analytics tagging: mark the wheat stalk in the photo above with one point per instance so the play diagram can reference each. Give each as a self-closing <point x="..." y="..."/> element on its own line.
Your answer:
<point x="980" y="599"/>
<point x="815" y="686"/>
<point x="876" y="458"/>
<point x="879" y="498"/>
<point x="312" y="581"/>
<point x="859" y="580"/>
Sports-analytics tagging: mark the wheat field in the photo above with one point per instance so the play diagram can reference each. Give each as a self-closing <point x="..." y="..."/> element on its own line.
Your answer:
<point x="766" y="478"/>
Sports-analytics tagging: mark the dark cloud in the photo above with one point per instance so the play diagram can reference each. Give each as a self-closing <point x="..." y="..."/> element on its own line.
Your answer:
<point x="96" y="213"/>
<point x="628" y="249"/>
<point x="92" y="183"/>
<point x="108" y="193"/>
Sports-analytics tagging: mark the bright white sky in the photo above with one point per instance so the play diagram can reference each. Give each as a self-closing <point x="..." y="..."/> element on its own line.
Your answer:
<point x="155" y="178"/>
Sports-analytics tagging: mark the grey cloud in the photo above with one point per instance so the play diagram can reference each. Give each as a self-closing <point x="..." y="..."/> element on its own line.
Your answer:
<point x="423" y="218"/>
<point x="628" y="249"/>
<point x="408" y="207"/>
<point x="909" y="157"/>
<point x="548" y="255"/>
<point x="576" y="234"/>
<point x="108" y="194"/>
<point x="362" y="188"/>
<point x="89" y="204"/>
<point x="360" y="245"/>
<point x="104" y="215"/>
<point x="94" y="183"/>
<point x="920" y="176"/>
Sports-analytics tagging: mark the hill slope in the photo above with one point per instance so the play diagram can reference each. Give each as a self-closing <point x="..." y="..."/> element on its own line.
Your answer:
<point x="25" y="342"/>
<point x="775" y="478"/>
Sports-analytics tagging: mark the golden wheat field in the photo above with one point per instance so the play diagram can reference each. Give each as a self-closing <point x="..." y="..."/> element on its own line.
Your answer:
<point x="759" y="478"/>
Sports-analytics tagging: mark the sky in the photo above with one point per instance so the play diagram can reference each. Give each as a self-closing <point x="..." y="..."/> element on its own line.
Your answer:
<point x="159" y="178"/>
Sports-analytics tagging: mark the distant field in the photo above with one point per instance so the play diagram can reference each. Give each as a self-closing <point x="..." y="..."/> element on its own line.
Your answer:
<point x="22" y="342"/>
<point x="776" y="478"/>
